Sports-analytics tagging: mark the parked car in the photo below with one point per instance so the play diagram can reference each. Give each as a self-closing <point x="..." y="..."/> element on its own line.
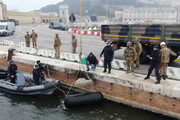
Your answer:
<point x="7" y="28"/>
<point x="64" y="26"/>
<point x="55" y="25"/>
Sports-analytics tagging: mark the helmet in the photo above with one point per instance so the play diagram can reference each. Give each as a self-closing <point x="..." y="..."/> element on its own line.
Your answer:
<point x="109" y="42"/>
<point x="129" y="43"/>
<point x="136" y="40"/>
<point x="162" y="44"/>
<point x="11" y="61"/>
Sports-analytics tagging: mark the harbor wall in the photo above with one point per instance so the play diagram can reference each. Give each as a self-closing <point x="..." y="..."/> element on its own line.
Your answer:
<point x="129" y="89"/>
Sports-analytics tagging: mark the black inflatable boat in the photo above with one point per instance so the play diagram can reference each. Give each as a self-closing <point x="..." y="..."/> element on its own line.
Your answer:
<point x="25" y="86"/>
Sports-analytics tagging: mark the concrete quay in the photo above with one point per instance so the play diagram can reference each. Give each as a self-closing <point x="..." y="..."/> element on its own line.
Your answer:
<point x="130" y="89"/>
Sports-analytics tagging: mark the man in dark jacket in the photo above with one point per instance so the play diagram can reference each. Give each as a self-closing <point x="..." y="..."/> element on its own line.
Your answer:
<point x="108" y="56"/>
<point x="91" y="61"/>
<point x="37" y="71"/>
<point x="155" y="58"/>
<point x="12" y="70"/>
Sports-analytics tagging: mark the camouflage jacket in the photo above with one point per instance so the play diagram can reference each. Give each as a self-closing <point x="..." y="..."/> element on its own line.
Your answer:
<point x="130" y="53"/>
<point x="138" y="48"/>
<point x="74" y="42"/>
<point x="27" y="37"/>
<point x="166" y="52"/>
<point x="57" y="42"/>
<point x="34" y="35"/>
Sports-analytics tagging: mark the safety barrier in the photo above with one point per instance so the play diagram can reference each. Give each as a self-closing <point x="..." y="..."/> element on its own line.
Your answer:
<point x="46" y="53"/>
<point x="116" y="64"/>
<point x="70" y="57"/>
<point x="76" y="31"/>
<point x="27" y="50"/>
<point x="22" y="44"/>
<point x="173" y="73"/>
<point x="64" y="55"/>
<point x="7" y="42"/>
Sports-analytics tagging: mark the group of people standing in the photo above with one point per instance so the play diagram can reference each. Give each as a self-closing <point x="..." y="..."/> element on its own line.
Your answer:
<point x="57" y="45"/>
<point x="57" y="42"/>
<point x="28" y="38"/>
<point x="159" y="58"/>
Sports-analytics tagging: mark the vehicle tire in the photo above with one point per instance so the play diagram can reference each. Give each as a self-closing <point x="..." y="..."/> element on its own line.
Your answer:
<point x="143" y="57"/>
<point x="12" y="33"/>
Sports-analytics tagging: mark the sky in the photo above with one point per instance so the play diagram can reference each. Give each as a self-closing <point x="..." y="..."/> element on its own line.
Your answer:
<point x="28" y="5"/>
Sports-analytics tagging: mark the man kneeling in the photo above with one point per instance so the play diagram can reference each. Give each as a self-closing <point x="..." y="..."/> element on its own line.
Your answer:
<point x="91" y="61"/>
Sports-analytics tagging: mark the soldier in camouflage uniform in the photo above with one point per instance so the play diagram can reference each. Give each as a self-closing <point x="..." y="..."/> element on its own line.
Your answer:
<point x="57" y="46"/>
<point x="34" y="37"/>
<point x="166" y="52"/>
<point x="74" y="44"/>
<point x="138" y="47"/>
<point x="28" y="39"/>
<point x="130" y="57"/>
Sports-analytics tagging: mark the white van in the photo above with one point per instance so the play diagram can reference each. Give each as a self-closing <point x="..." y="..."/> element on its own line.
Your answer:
<point x="7" y="28"/>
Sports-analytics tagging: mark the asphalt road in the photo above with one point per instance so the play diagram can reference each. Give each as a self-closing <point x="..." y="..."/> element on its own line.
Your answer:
<point x="46" y="40"/>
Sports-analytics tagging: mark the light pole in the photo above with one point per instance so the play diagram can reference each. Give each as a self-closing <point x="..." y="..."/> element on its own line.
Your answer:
<point x="106" y="10"/>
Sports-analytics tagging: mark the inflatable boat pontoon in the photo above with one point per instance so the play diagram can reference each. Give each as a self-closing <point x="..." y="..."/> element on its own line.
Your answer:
<point x="25" y="86"/>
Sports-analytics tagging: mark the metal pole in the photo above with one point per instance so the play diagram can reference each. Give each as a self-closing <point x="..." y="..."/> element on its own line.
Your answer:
<point x="106" y="9"/>
<point x="81" y="29"/>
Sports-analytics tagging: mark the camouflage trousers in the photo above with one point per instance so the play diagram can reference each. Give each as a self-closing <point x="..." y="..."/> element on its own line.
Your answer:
<point x="34" y="42"/>
<point x="137" y="61"/>
<point x="74" y="48"/>
<point x="57" y="52"/>
<point x="130" y="64"/>
<point x="27" y="43"/>
<point x="163" y="69"/>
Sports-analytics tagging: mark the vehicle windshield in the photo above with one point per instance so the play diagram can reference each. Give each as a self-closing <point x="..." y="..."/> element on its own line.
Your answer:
<point x="56" y="23"/>
<point x="2" y="27"/>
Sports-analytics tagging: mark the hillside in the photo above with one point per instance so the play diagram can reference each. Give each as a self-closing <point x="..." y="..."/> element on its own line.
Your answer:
<point x="94" y="7"/>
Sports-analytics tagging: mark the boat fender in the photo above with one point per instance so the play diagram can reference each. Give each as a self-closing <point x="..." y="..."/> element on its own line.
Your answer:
<point x="78" y="100"/>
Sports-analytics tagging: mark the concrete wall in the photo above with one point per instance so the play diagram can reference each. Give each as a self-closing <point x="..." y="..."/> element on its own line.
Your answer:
<point x="28" y="18"/>
<point x="24" y="18"/>
<point x="120" y="87"/>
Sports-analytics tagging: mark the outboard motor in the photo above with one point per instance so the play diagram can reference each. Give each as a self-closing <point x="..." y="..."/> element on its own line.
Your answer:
<point x="77" y="100"/>
<point x="3" y="74"/>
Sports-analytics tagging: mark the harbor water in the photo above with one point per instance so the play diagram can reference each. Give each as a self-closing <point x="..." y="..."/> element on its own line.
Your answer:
<point x="15" y="107"/>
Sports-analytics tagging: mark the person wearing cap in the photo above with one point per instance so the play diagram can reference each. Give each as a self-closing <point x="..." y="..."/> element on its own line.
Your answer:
<point x="166" y="53"/>
<point x="91" y="61"/>
<point x="138" y="47"/>
<point x="34" y="37"/>
<point x="28" y="39"/>
<point x="155" y="58"/>
<point x="74" y="44"/>
<point x="57" y="46"/>
<point x="108" y="52"/>
<point x="130" y="57"/>
<point x="12" y="70"/>
<point x="37" y="70"/>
